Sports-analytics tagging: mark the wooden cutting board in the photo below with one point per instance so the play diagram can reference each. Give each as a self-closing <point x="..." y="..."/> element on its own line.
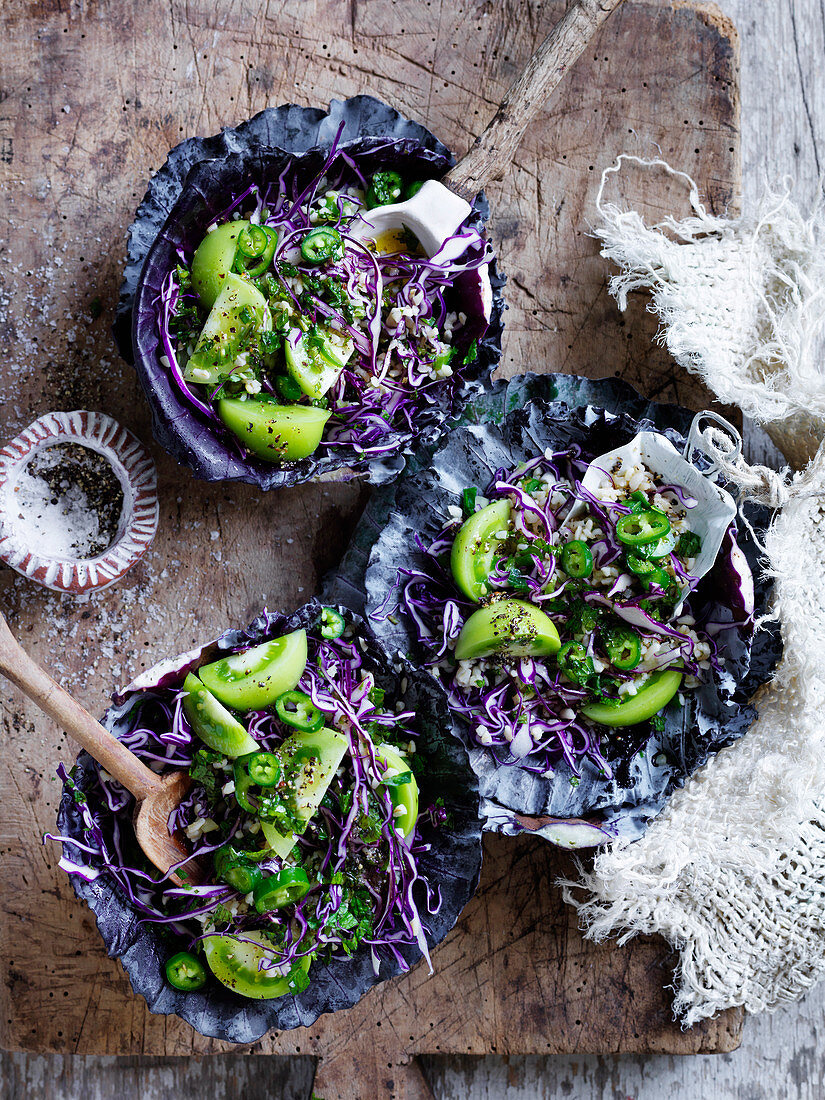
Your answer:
<point x="92" y="98"/>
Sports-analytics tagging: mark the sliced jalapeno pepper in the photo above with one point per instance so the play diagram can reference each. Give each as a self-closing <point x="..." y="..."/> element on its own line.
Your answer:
<point x="324" y="243"/>
<point x="576" y="559"/>
<point x="661" y="549"/>
<point x="185" y="972"/>
<point x="333" y="623"/>
<point x="243" y="877"/>
<point x="237" y="871"/>
<point x="252" y="241"/>
<point x="385" y="188"/>
<point x="298" y="710"/>
<point x="575" y="662"/>
<point x="638" y="529"/>
<point x="243" y="784"/>
<point x="623" y="646"/>
<point x="264" y="768"/>
<point x="413" y="188"/>
<point x="264" y="257"/>
<point x="638" y="502"/>
<point x="287" y="886"/>
<point x="640" y="566"/>
<point x="264" y="802"/>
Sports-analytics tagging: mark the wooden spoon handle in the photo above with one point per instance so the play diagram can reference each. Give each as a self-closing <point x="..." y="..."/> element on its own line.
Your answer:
<point x="127" y="769"/>
<point x="493" y="151"/>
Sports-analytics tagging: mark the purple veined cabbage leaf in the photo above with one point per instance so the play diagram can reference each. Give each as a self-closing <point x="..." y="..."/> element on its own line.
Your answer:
<point x="449" y="857"/>
<point x="182" y="199"/>
<point x="513" y="422"/>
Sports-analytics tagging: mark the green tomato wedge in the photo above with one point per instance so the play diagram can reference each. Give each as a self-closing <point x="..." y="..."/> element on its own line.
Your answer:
<point x="213" y="723"/>
<point x="476" y="547"/>
<point x="213" y="260"/>
<point x="275" y="433"/>
<point x="648" y="700"/>
<point x="237" y="963"/>
<point x="255" y="678"/>
<point x="316" y="373"/>
<point x="309" y="760"/>
<point x="513" y="628"/>
<point x="278" y="843"/>
<point x="404" y="795"/>
<point x="239" y="309"/>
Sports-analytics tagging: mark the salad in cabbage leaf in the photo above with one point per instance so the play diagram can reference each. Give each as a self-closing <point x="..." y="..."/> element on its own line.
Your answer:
<point x="296" y="331"/>
<point x="557" y="617"/>
<point x="331" y="817"/>
<point x="509" y="471"/>
<point x="276" y="342"/>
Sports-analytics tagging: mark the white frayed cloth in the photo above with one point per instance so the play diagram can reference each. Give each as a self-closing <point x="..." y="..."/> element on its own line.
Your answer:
<point x="741" y="302"/>
<point x="732" y="873"/>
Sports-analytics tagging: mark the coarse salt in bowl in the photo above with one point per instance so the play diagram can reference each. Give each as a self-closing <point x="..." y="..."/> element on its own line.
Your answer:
<point x="78" y="501"/>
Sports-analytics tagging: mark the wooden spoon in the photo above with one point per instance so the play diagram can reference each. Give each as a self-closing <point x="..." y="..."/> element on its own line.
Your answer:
<point x="156" y="796"/>
<point x="435" y="213"/>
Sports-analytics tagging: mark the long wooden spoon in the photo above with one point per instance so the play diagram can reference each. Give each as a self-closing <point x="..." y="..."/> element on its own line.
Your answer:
<point x="156" y="796"/>
<point x="438" y="209"/>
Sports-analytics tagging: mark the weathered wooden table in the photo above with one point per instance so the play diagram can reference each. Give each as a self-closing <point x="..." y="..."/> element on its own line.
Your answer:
<point x="93" y="98"/>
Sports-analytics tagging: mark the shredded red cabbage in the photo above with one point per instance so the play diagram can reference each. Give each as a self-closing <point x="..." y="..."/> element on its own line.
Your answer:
<point x="355" y="852"/>
<point x="528" y="708"/>
<point x="399" y="366"/>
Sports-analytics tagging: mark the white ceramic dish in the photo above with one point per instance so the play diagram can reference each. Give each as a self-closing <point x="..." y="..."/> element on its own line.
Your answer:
<point x="435" y="215"/>
<point x="710" y="508"/>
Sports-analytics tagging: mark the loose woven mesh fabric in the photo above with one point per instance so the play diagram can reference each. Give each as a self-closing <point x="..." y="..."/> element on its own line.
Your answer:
<point x="732" y="873"/>
<point x="741" y="302"/>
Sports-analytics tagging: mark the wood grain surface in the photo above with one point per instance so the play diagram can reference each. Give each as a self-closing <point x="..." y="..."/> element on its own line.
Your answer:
<point x="92" y="97"/>
<point x="490" y="155"/>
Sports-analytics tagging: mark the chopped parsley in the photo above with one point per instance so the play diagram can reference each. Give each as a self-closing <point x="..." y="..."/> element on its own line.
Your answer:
<point x="206" y="775"/>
